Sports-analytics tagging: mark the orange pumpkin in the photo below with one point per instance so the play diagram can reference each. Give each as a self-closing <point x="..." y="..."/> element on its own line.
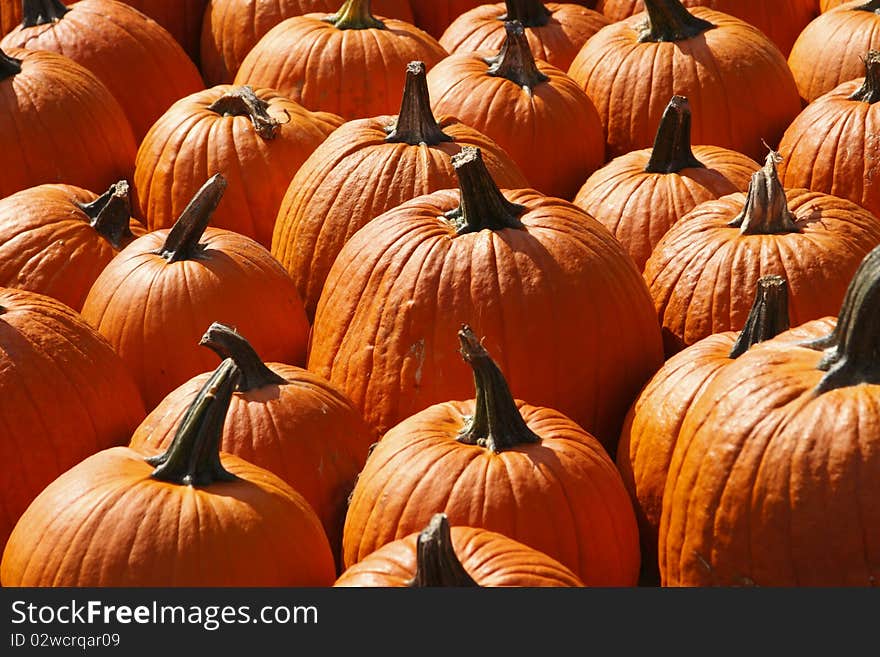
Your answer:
<point x="10" y="15"/>
<point x="182" y="19"/>
<point x="434" y="16"/>
<point x="827" y="5"/>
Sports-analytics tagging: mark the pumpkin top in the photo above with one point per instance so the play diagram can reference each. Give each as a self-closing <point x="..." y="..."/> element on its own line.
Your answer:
<point x="668" y="20"/>
<point x="436" y="561"/>
<point x="869" y="92"/>
<point x="242" y="101"/>
<point x="416" y="123"/>
<point x="531" y="13"/>
<point x="483" y="206"/>
<point x="768" y="316"/>
<point x="227" y="343"/>
<point x="182" y="242"/>
<point x="42" y="12"/>
<point x="515" y="61"/>
<point x="766" y="209"/>
<point x="110" y="214"/>
<point x="355" y="15"/>
<point x="9" y="66"/>
<point x="672" y="145"/>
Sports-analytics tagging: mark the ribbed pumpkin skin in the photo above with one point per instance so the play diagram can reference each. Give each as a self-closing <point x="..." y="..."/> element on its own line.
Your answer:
<point x="528" y="125"/>
<point x="562" y="496"/>
<point x="703" y="273"/>
<point x="328" y="200"/>
<point x="403" y="283"/>
<point x="830" y="49"/>
<point x="190" y="143"/>
<point x="490" y="558"/>
<point x="60" y="124"/>
<point x="826" y="5"/>
<point x="182" y="18"/>
<point x="154" y="313"/>
<point x="306" y="432"/>
<point x="47" y="244"/>
<point x="142" y="65"/>
<point x="640" y="207"/>
<point x="434" y="16"/>
<point x="720" y="71"/>
<point x="788" y="479"/>
<point x="232" y="27"/>
<point x="10" y="15"/>
<point x="256" y="531"/>
<point x="556" y="43"/>
<point x="353" y="73"/>
<point x="781" y="20"/>
<point x="66" y="395"/>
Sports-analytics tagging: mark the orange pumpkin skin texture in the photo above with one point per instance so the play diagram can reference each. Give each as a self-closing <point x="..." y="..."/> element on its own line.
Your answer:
<point x="826" y="5"/>
<point x="325" y="203"/>
<point x="830" y="50"/>
<point x="521" y="107"/>
<point x="555" y="39"/>
<point x="434" y="16"/>
<point x="182" y="18"/>
<point x="640" y="195"/>
<point x="67" y="394"/>
<point x="406" y="280"/>
<point x="47" y="100"/>
<point x="56" y="239"/>
<point x="355" y="73"/>
<point x="10" y="15"/>
<point x="232" y="27"/>
<point x="213" y="131"/>
<point x="630" y="83"/>
<point x="703" y="273"/>
<point x="154" y="311"/>
<point x="490" y="558"/>
<point x="119" y="45"/>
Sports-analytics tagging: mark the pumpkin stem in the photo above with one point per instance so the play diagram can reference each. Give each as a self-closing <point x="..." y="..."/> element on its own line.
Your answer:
<point x="672" y="144"/>
<point x="110" y="214"/>
<point x="182" y="242"/>
<point x="242" y="101"/>
<point x="416" y="123"/>
<point x="41" y="12"/>
<point x="531" y="13"/>
<point x="9" y="66"/>
<point x="766" y="209"/>
<point x="869" y="92"/>
<point x="768" y="317"/>
<point x="227" y="343"/>
<point x="483" y="206"/>
<point x="355" y="15"/>
<point x="193" y="458"/>
<point x="873" y="5"/>
<point x="497" y="423"/>
<point x="668" y="20"/>
<point x="515" y="60"/>
<point x="436" y="561"/>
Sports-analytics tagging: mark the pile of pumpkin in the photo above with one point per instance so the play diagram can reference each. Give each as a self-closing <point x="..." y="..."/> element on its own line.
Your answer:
<point x="439" y="293"/>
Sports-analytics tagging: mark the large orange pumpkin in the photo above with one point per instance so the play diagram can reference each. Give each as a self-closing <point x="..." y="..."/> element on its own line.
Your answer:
<point x="640" y="195"/>
<point x="827" y="5"/>
<point x="189" y="516"/>
<point x="59" y="124"/>
<point x="521" y="103"/>
<point x="154" y="300"/>
<point x="441" y="555"/>
<point x="256" y="138"/>
<point x="10" y="15"/>
<point x="182" y="18"/>
<point x="434" y="16"/>
<point x="395" y="158"/>
<point x="350" y="63"/>
<point x="737" y="80"/>
<point x="552" y="291"/>
<point x="56" y="239"/>
<point x="556" y="31"/>
<point x="66" y="395"/>
<point x="703" y="273"/>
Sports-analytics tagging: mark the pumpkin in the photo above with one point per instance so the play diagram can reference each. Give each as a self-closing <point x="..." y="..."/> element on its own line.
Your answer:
<point x="56" y="239"/>
<point x="827" y="5"/>
<point x="59" y="124"/>
<point x="182" y="19"/>
<point x="724" y="66"/>
<point x="640" y="195"/>
<point x="66" y="395"/>
<point x="520" y="103"/>
<point x="518" y="266"/>
<point x="396" y="157"/>
<point x="232" y="27"/>
<point x="256" y="138"/>
<point x="118" y="45"/>
<point x="190" y="516"/>
<point x="556" y="31"/>
<point x="829" y="50"/>
<point x="282" y="418"/>
<point x="154" y="299"/>
<point x="434" y="16"/>
<point x="499" y="463"/>
<point x="828" y="148"/>
<point x="703" y="271"/>
<point x="441" y="555"/>
<point x="349" y="63"/>
<point x="785" y="445"/>
<point x="10" y="15"/>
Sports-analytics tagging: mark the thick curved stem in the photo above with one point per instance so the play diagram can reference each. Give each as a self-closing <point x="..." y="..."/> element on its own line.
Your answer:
<point x="497" y="423"/>
<point x="355" y="15"/>
<point x="869" y="92"/>
<point x="483" y="206"/>
<point x="668" y="20"/>
<point x="242" y="101"/>
<point x="182" y="242"/>
<point x="766" y="209"/>
<point x="9" y="66"/>
<point x="110" y="214"/>
<point x="516" y="62"/>
<point x="416" y="123"/>
<point x="436" y="561"/>
<point x="531" y="13"/>
<point x="41" y="12"/>
<point x="227" y="343"/>
<point x="768" y="317"/>
<point x="193" y="458"/>
<point x="672" y="145"/>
